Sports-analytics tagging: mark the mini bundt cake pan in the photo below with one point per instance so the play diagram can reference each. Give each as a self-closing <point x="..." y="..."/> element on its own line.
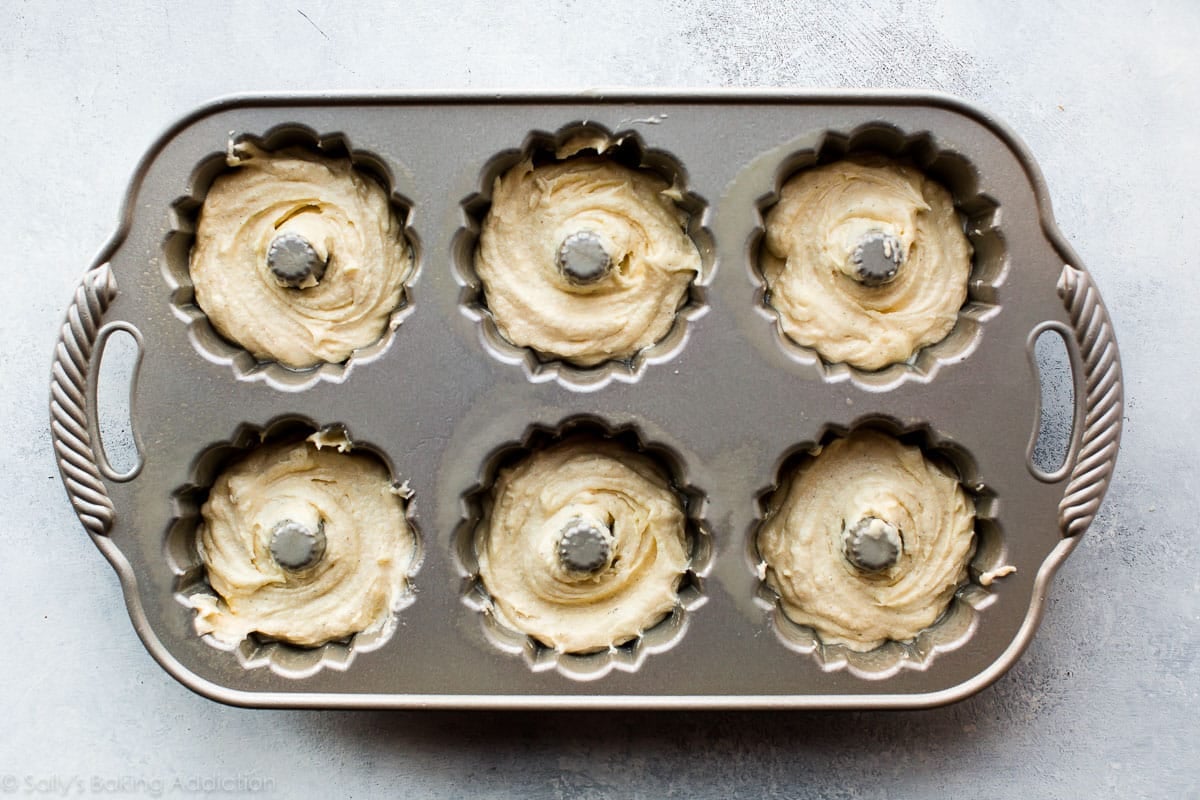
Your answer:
<point x="725" y="399"/>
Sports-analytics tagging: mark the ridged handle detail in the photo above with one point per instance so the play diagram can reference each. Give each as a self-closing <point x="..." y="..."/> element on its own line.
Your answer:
<point x="69" y="406"/>
<point x="1103" y="401"/>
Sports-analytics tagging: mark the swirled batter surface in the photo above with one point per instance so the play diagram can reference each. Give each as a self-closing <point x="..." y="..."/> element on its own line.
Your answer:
<point x="347" y="219"/>
<point x="518" y="543"/>
<point x="867" y="474"/>
<point x="807" y="261"/>
<point x="354" y="586"/>
<point x="634" y="215"/>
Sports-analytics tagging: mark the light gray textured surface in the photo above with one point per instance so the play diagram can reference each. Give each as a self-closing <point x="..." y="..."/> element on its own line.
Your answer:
<point x="1103" y="704"/>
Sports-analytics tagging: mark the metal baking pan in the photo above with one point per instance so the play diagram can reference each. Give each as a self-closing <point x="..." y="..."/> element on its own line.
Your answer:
<point x="726" y="399"/>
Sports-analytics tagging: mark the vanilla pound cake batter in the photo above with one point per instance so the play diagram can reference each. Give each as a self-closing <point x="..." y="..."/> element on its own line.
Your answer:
<point x="868" y="483"/>
<point x="354" y="582"/>
<point x="813" y="234"/>
<point x="643" y="552"/>
<point x="349" y="223"/>
<point x="632" y="215"/>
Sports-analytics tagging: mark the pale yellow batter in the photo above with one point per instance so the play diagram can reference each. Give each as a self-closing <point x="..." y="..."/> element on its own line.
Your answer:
<point x="634" y="215"/>
<point x="518" y="543"/>
<point x="350" y="223"/>
<point x="867" y="474"/>
<point x="352" y="587"/>
<point x="811" y="235"/>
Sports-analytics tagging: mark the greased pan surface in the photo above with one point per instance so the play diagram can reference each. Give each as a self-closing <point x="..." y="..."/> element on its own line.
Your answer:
<point x="725" y="400"/>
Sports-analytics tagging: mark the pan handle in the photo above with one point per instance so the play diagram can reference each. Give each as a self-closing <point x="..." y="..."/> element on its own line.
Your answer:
<point x="1099" y="401"/>
<point x="72" y="401"/>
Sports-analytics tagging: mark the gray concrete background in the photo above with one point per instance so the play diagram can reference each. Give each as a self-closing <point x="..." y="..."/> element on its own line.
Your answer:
<point x="1104" y="703"/>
